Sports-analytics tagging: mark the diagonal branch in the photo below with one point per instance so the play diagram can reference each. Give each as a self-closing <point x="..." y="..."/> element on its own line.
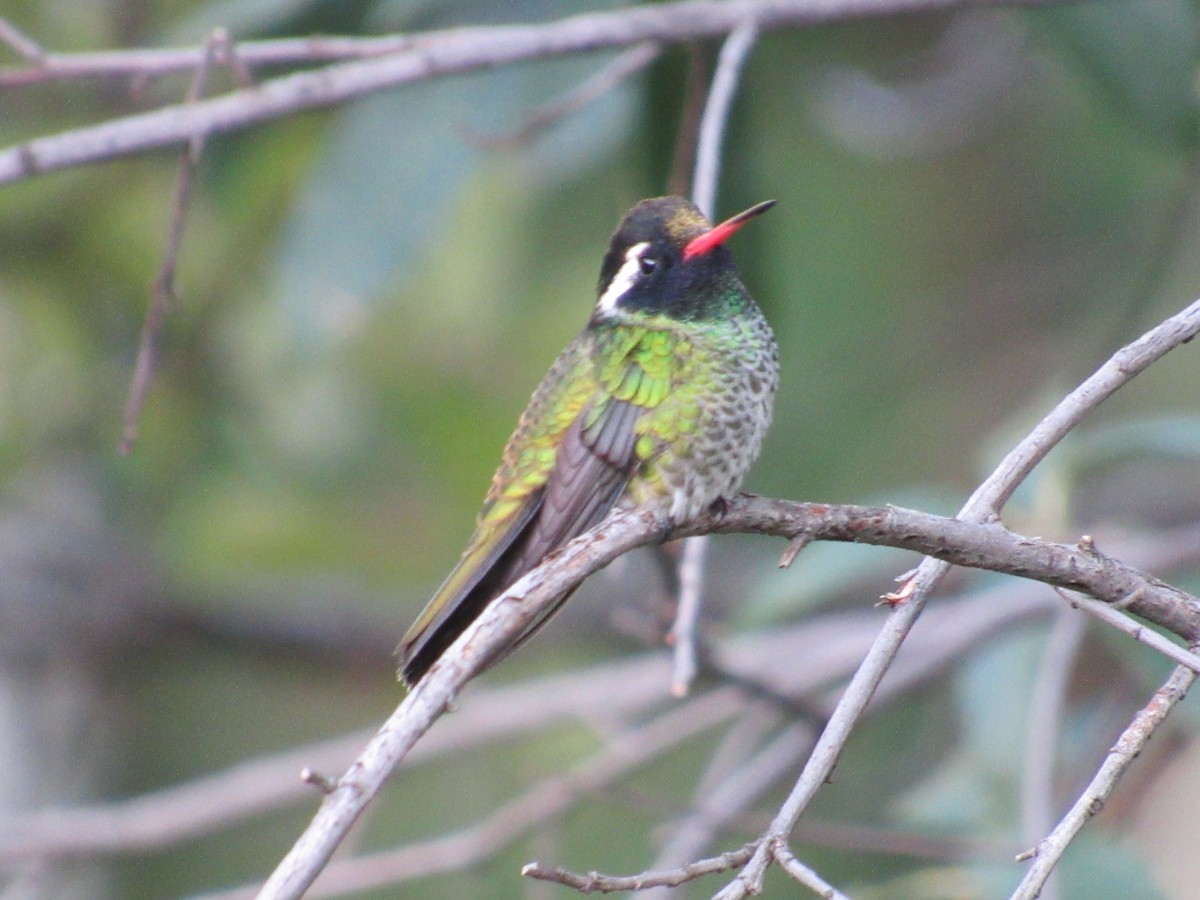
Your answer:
<point x="21" y="43"/>
<point x="162" y="289"/>
<point x="1046" y="715"/>
<point x="1131" y="742"/>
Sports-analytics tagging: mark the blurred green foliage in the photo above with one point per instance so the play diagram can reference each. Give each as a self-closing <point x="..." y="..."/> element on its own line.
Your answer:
<point x="368" y="294"/>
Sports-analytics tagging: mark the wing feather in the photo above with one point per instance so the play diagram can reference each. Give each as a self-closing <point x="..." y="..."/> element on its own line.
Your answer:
<point x="565" y="467"/>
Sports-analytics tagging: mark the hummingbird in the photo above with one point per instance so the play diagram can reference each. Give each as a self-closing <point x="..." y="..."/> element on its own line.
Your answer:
<point x="660" y="403"/>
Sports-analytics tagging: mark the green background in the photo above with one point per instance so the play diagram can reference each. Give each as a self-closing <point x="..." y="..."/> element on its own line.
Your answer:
<point x="975" y="210"/>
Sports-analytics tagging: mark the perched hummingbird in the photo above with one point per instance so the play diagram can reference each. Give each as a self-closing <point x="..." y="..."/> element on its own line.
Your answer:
<point x="661" y="403"/>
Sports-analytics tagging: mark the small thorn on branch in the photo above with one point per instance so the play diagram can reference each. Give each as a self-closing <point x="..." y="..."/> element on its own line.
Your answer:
<point x="319" y="780"/>
<point x="1131" y="598"/>
<point x="1026" y="855"/>
<point x="900" y="597"/>
<point x="795" y="545"/>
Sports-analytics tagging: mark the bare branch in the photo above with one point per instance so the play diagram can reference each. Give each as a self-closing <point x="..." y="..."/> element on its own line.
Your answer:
<point x="837" y="643"/>
<point x="1047" y="854"/>
<point x="1047" y="703"/>
<point x="256" y="787"/>
<point x="166" y="817"/>
<point x="683" y="633"/>
<point x="306" y="51"/>
<point x="958" y="627"/>
<point x="805" y="875"/>
<point x="433" y="55"/>
<point x="148" y="63"/>
<point x="1110" y="614"/>
<point x="983" y="505"/>
<point x="607" y="884"/>
<point x="23" y="44"/>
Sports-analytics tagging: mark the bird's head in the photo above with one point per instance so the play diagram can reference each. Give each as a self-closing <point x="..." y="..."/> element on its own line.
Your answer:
<point x="666" y="258"/>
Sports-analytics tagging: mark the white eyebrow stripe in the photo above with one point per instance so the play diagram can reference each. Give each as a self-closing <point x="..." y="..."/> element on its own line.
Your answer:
<point x="623" y="280"/>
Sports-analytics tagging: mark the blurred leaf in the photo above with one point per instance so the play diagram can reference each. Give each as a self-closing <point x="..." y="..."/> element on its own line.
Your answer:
<point x="1142" y="54"/>
<point x="1169" y="436"/>
<point x="952" y="796"/>
<point x="977" y="789"/>
<point x="242" y="18"/>
<point x="993" y="692"/>
<point x="395" y="165"/>
<point x="1099" y="865"/>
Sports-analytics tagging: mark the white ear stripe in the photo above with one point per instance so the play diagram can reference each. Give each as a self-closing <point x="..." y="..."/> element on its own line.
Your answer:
<point x="623" y="280"/>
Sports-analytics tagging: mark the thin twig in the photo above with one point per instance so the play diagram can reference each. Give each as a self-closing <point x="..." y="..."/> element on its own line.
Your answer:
<point x="1047" y="703"/>
<point x="1109" y="614"/>
<point x="1092" y="800"/>
<point x="146" y="63"/>
<point x="435" y="54"/>
<point x="683" y="633"/>
<point x="162" y="289"/>
<point x="983" y="505"/>
<point x="716" y="114"/>
<point x="805" y="875"/>
<point x="25" y="46"/>
<point x="608" y="884"/>
<point x="308" y="51"/>
<point x="950" y="641"/>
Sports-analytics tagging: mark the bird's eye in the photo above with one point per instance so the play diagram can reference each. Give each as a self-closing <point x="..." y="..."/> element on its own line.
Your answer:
<point x="647" y="264"/>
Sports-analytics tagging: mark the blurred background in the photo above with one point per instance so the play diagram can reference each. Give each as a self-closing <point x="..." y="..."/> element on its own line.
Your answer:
<point x="975" y="210"/>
